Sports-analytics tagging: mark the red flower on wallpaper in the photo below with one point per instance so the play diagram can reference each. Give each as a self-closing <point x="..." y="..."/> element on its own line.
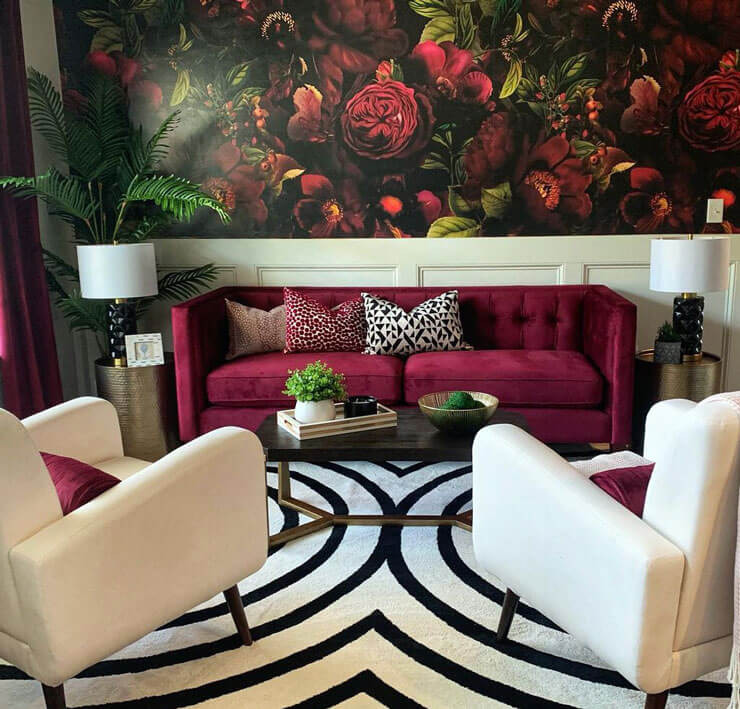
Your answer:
<point x="492" y="149"/>
<point x="452" y="72"/>
<point x="355" y="34"/>
<point x="323" y="211"/>
<point x="241" y="182"/>
<point x="551" y="184"/>
<point x="709" y="117"/>
<point x="387" y="120"/>
<point x="648" y="207"/>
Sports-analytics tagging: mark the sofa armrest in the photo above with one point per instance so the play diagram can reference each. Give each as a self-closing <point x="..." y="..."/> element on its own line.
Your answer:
<point x="85" y="428"/>
<point x="162" y="541"/>
<point x="609" y="327"/>
<point x="200" y="337"/>
<point x="575" y="554"/>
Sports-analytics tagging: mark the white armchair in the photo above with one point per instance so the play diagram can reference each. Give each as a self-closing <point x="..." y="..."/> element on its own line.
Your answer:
<point x="171" y="535"/>
<point x="651" y="596"/>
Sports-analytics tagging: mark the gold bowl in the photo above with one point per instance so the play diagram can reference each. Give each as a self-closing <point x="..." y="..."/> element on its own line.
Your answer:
<point x="457" y="422"/>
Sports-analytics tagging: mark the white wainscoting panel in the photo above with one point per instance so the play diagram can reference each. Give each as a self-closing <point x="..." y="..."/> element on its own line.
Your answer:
<point x="310" y="275"/>
<point x="500" y="275"/>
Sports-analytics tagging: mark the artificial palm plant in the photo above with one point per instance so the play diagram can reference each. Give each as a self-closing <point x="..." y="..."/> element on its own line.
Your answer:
<point x="111" y="191"/>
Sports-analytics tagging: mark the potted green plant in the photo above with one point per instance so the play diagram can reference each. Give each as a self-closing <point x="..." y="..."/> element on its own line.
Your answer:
<point x="667" y="348"/>
<point x="111" y="190"/>
<point x="315" y="387"/>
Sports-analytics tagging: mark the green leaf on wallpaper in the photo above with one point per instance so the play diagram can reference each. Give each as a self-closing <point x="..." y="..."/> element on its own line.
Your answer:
<point x="460" y="206"/>
<point x="253" y="155"/>
<point x="512" y="80"/>
<point x="96" y="18"/>
<point x="572" y="68"/>
<point x="487" y="7"/>
<point x="434" y="162"/>
<point x="440" y="29"/>
<point x="496" y="200"/>
<point x="142" y="5"/>
<point x="429" y="8"/>
<point x="107" y="39"/>
<point x="289" y="175"/>
<point x="182" y="88"/>
<point x="504" y="10"/>
<point x="464" y="27"/>
<point x="237" y="74"/>
<point x="583" y="148"/>
<point x="453" y="228"/>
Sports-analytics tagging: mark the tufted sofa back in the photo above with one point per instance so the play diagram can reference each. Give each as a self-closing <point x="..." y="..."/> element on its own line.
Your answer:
<point x="494" y="317"/>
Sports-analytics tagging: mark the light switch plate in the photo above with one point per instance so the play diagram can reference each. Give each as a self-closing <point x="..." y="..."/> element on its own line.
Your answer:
<point x="715" y="211"/>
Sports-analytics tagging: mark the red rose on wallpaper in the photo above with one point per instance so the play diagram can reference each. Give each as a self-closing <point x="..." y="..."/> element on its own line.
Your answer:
<point x="452" y="72"/>
<point x="387" y="120"/>
<point x="551" y="184"/>
<point x="709" y="117"/>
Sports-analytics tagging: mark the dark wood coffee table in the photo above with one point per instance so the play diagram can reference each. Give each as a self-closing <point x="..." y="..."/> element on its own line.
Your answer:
<point x="414" y="438"/>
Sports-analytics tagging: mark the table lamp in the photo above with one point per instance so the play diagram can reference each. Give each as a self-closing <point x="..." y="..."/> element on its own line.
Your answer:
<point x="118" y="272"/>
<point x="689" y="266"/>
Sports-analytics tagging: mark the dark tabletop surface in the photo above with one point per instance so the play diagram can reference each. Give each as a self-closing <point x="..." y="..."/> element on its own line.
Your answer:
<point x="414" y="438"/>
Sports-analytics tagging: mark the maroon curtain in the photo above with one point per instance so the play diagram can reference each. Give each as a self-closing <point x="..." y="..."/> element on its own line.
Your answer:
<point x="29" y="369"/>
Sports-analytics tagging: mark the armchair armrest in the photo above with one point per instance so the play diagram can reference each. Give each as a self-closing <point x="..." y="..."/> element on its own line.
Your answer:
<point x="85" y="428"/>
<point x="200" y="336"/>
<point x="162" y="541"/>
<point x="576" y="554"/>
<point x="609" y="326"/>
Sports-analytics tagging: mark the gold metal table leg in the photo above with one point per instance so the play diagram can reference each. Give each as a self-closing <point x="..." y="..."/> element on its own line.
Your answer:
<point x="323" y="518"/>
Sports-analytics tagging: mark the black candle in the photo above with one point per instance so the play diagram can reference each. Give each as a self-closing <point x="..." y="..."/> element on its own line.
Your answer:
<point x="360" y="406"/>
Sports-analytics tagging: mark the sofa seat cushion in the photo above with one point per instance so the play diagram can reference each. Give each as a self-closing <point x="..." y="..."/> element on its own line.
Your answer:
<point x="259" y="380"/>
<point x="516" y="377"/>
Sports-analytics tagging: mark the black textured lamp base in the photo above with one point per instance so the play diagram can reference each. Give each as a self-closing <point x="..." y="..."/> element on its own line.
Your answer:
<point x="121" y="322"/>
<point x="688" y="321"/>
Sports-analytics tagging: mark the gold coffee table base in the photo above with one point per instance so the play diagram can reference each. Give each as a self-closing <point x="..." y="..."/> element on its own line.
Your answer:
<point x="321" y="519"/>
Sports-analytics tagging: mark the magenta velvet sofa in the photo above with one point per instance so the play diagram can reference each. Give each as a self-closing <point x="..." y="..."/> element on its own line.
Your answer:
<point x="561" y="355"/>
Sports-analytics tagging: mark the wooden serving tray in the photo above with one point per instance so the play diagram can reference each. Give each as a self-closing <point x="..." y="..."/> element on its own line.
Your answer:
<point x="385" y="418"/>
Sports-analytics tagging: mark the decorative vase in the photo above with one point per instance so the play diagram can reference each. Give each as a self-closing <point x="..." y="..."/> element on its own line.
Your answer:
<point x="667" y="352"/>
<point x="315" y="411"/>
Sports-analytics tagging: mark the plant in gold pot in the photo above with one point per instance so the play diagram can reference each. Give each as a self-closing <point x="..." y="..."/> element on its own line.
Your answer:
<point x="315" y="387"/>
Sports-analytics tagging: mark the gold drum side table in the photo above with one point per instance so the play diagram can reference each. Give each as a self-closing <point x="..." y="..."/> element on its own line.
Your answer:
<point x="145" y="400"/>
<point x="657" y="382"/>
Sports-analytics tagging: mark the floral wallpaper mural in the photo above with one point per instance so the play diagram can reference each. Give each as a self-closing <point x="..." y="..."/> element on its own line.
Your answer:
<point x="432" y="118"/>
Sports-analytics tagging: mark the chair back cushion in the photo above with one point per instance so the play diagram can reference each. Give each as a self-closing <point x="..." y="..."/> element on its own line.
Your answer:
<point x="28" y="502"/>
<point x="692" y="500"/>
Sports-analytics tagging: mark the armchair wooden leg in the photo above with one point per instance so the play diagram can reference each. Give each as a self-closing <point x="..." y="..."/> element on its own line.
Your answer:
<point x="54" y="697"/>
<point x="236" y="607"/>
<point x="507" y="614"/>
<point x="656" y="701"/>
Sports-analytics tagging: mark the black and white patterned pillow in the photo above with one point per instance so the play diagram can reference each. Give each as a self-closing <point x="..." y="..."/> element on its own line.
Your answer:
<point x="432" y="326"/>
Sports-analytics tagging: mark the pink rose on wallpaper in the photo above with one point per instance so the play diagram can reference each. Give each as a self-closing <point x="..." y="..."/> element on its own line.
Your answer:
<point x="452" y="72"/>
<point x="387" y="120"/>
<point x="709" y="117"/>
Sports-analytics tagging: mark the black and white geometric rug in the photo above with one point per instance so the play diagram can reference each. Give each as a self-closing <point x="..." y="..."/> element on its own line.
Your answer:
<point x="362" y="617"/>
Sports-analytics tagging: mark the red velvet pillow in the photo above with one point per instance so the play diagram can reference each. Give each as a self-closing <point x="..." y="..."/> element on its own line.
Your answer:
<point x="76" y="482"/>
<point x="628" y="486"/>
<point x="313" y="327"/>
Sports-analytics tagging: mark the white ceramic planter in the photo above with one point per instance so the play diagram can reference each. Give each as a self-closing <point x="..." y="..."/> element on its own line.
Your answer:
<point x="315" y="411"/>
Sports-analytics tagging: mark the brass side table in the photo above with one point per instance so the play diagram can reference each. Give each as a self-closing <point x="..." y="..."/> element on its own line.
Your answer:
<point x="656" y="382"/>
<point x="145" y="400"/>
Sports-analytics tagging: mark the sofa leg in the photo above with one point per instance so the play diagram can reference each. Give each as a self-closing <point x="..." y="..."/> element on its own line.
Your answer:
<point x="656" y="701"/>
<point x="507" y="614"/>
<point x="236" y="607"/>
<point x="54" y="697"/>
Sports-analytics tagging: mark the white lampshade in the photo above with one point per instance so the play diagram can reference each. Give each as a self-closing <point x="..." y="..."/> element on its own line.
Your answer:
<point x="699" y="265"/>
<point x="110" y="271"/>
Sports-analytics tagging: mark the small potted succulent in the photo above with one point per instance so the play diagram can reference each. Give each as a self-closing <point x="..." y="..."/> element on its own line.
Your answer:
<point x="667" y="345"/>
<point x="315" y="387"/>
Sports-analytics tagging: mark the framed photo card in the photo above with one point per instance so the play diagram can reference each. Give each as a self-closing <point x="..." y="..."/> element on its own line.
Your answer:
<point x="144" y="350"/>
